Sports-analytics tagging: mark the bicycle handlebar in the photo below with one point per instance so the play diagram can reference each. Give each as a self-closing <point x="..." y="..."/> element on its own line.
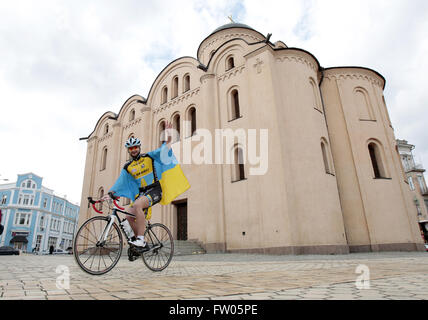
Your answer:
<point x="93" y="202"/>
<point x="111" y="194"/>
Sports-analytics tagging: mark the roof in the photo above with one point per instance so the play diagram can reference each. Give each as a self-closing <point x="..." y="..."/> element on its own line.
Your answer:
<point x="232" y="25"/>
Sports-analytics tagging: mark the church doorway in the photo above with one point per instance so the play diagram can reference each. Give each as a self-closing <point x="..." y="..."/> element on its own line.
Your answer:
<point x="181" y="212"/>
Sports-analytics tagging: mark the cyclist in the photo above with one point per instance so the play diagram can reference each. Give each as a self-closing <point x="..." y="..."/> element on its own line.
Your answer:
<point x="141" y="178"/>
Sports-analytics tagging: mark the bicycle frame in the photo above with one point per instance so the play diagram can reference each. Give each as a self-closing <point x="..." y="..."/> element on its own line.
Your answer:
<point x="112" y="218"/>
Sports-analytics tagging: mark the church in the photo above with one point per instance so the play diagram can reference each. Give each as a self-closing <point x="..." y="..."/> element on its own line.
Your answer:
<point x="313" y="161"/>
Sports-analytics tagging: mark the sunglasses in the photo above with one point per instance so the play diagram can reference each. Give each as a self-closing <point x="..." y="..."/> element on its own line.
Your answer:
<point x="132" y="148"/>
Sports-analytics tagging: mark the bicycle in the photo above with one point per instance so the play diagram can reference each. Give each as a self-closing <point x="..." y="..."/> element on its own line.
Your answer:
<point x="101" y="237"/>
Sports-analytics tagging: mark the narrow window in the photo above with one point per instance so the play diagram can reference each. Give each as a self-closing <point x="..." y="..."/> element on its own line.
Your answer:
<point x="176" y="127"/>
<point x="106" y="128"/>
<point x="192" y="119"/>
<point x="411" y="185"/>
<point x="104" y="159"/>
<point x="236" y="113"/>
<point x="164" y="95"/>
<point x="238" y="166"/>
<point x="186" y="83"/>
<point x="230" y="64"/>
<point x="376" y="160"/>
<point x="325" y="157"/>
<point x="132" y="115"/>
<point x="161" y="132"/>
<point x="29" y="184"/>
<point x="100" y="195"/>
<point x="175" y="87"/>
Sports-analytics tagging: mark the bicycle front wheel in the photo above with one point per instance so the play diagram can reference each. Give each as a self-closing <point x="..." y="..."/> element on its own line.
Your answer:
<point x="160" y="240"/>
<point x="95" y="255"/>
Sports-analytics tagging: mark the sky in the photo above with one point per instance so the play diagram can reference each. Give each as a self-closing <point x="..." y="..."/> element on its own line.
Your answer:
<point x="65" y="63"/>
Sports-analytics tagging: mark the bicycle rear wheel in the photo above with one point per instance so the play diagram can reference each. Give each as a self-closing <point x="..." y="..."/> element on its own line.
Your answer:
<point x="94" y="256"/>
<point x="160" y="240"/>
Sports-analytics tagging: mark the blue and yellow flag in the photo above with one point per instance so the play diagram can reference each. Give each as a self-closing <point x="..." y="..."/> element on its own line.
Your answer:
<point x="168" y="171"/>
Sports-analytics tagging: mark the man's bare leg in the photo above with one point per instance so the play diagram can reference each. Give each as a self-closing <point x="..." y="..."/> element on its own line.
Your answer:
<point x="138" y="224"/>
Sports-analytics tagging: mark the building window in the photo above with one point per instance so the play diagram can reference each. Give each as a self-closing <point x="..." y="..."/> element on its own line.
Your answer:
<point x="106" y="128"/>
<point x="363" y="105"/>
<point x="325" y="157"/>
<point x="26" y="200"/>
<point x="38" y="242"/>
<point x="161" y="132"/>
<point x="4" y="199"/>
<point x="238" y="171"/>
<point x="191" y="117"/>
<point x="100" y="195"/>
<point x="164" y="97"/>
<point x="132" y="115"/>
<point x="316" y="95"/>
<point x="22" y="219"/>
<point x="186" y="83"/>
<point x="174" y="87"/>
<point x="42" y="223"/>
<point x="230" y="63"/>
<point x="235" y="110"/>
<point x="422" y="184"/>
<point x="411" y="184"/>
<point x="379" y="169"/>
<point x="176" y="127"/>
<point x="104" y="159"/>
<point x="29" y="184"/>
<point x="45" y="202"/>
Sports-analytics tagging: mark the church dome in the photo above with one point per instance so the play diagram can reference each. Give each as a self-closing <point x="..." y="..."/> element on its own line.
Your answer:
<point x="232" y="25"/>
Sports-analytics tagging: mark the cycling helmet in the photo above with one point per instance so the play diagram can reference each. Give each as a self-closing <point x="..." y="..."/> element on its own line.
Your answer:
<point x="132" y="142"/>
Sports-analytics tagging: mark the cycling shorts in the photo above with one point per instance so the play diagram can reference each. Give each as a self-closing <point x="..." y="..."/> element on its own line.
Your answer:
<point x="153" y="193"/>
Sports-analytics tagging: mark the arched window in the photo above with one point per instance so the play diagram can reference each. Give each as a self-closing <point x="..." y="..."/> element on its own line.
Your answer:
<point x="174" y="87"/>
<point x="100" y="195"/>
<point x="104" y="158"/>
<point x="376" y="159"/>
<point x="235" y="109"/>
<point x="363" y="104"/>
<point x="325" y="156"/>
<point x="132" y="115"/>
<point x="161" y="132"/>
<point x="29" y="184"/>
<point x="238" y="169"/>
<point x="191" y="117"/>
<point x="230" y="63"/>
<point x="186" y="83"/>
<point x="106" y="128"/>
<point x="176" y="126"/>
<point x="164" y="95"/>
<point x="316" y="98"/>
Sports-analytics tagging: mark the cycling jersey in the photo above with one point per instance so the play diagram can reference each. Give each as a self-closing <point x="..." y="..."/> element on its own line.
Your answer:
<point x="141" y="169"/>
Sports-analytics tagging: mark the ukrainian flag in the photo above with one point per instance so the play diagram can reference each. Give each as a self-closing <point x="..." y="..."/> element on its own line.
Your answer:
<point x="168" y="171"/>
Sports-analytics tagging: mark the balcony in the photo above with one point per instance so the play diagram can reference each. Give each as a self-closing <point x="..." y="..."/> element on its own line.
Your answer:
<point x="415" y="167"/>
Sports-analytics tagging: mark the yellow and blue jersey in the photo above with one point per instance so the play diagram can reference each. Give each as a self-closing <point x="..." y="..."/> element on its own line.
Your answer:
<point x="140" y="172"/>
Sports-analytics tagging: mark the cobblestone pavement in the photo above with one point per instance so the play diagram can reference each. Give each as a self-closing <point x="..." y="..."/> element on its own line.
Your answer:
<point x="392" y="276"/>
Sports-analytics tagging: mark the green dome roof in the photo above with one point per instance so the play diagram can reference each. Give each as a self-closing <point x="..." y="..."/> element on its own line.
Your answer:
<point x="232" y="25"/>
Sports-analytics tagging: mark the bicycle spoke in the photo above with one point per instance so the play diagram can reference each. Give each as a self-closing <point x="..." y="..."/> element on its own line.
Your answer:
<point x="86" y="255"/>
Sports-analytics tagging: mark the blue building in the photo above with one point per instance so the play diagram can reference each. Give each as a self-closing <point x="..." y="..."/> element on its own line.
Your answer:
<point x="34" y="218"/>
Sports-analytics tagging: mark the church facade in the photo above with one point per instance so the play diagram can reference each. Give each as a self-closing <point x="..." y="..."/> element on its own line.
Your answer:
<point x="327" y="177"/>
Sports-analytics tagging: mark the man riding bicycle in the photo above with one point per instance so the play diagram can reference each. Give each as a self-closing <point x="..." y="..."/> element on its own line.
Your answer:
<point x="148" y="178"/>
